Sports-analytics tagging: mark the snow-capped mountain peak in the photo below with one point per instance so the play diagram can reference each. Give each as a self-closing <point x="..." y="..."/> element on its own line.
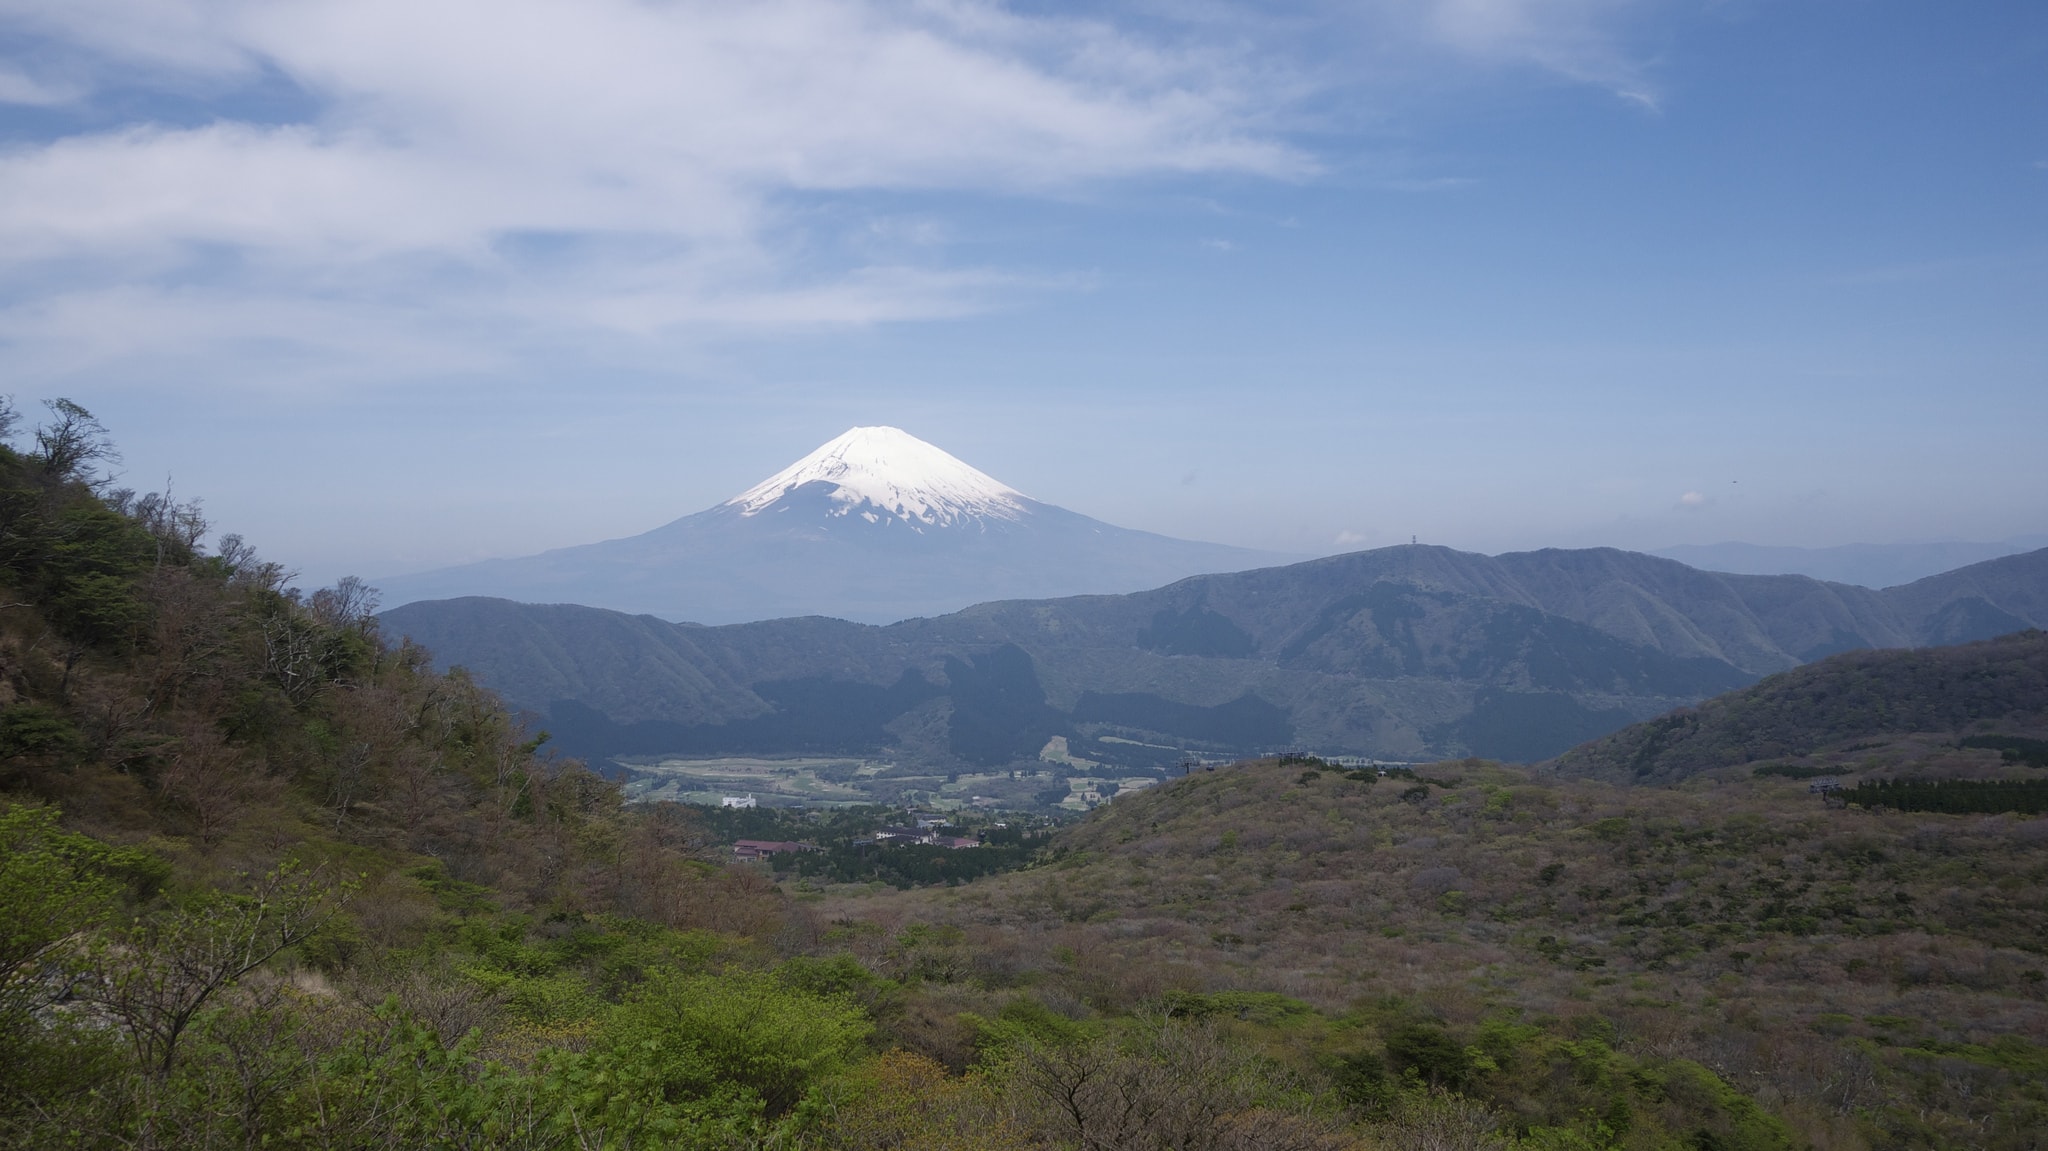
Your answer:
<point x="881" y="471"/>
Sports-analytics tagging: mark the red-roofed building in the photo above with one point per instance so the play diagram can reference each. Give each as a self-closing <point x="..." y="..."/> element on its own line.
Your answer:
<point x="763" y="848"/>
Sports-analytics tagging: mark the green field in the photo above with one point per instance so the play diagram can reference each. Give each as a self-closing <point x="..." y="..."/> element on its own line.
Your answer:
<point x="827" y="782"/>
<point x="814" y="782"/>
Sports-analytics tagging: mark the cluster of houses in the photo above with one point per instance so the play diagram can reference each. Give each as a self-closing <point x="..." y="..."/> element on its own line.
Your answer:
<point x="899" y="836"/>
<point x="928" y="829"/>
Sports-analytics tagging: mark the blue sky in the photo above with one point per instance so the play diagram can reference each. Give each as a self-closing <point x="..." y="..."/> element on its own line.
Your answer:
<point x="395" y="285"/>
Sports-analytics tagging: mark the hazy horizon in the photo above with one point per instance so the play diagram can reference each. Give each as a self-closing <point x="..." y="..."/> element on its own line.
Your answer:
<point x="396" y="287"/>
<point x="1751" y="558"/>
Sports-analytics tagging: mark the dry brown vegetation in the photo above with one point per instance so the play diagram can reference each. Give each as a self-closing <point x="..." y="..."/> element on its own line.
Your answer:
<point x="1873" y="977"/>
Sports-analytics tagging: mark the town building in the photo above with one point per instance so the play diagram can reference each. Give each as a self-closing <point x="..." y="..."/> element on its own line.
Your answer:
<point x="764" y="848"/>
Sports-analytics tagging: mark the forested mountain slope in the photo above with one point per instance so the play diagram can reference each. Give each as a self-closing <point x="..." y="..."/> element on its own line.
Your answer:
<point x="1983" y="688"/>
<point x="1402" y="653"/>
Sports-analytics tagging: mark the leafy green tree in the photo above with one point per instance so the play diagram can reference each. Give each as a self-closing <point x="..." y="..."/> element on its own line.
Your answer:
<point x="36" y="739"/>
<point x="1427" y="1052"/>
<point x="396" y="1084"/>
<point x="55" y="888"/>
<point x="700" y="1059"/>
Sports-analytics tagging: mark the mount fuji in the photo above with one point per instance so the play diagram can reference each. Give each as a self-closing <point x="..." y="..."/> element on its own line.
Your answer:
<point x="874" y="527"/>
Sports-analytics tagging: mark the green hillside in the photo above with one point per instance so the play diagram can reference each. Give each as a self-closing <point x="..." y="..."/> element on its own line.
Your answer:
<point x="1976" y="690"/>
<point x="261" y="870"/>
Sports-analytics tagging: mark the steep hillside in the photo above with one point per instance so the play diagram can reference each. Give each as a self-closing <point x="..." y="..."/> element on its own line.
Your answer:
<point x="234" y="821"/>
<point x="1401" y="653"/>
<point x="1998" y="685"/>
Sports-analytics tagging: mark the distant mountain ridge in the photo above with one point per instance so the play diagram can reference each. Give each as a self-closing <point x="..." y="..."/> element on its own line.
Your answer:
<point x="1403" y="652"/>
<point x="1865" y="565"/>
<point x="875" y="525"/>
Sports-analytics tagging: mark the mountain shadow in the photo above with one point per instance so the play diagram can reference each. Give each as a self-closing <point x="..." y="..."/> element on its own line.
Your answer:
<point x="1245" y="723"/>
<point x="1527" y="726"/>
<point x="1196" y="631"/>
<point x="815" y="714"/>
<point x="999" y="709"/>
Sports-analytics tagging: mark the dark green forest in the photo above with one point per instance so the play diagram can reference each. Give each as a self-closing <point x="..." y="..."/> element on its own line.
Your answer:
<point x="2011" y="748"/>
<point x="841" y="857"/>
<point x="2029" y="796"/>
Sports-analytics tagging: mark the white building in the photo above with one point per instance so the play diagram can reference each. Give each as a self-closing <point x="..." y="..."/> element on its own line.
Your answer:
<point x="738" y="801"/>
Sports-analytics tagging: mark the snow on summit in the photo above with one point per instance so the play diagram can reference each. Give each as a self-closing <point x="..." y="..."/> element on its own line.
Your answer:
<point x="895" y="472"/>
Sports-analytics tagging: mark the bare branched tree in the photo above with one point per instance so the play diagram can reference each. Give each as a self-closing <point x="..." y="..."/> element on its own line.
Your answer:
<point x="1170" y="1086"/>
<point x="244" y="570"/>
<point x="291" y="655"/>
<point x="177" y="528"/>
<point x="73" y="440"/>
<point x="163" y="971"/>
<point x="350" y="604"/>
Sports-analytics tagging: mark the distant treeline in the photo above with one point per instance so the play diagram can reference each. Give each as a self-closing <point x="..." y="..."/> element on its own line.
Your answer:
<point x="838" y="860"/>
<point x="2012" y="748"/>
<point x="1954" y="796"/>
<point x="1794" y="771"/>
<point x="905" y="866"/>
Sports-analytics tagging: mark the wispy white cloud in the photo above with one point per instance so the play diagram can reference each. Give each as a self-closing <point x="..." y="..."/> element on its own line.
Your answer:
<point x="476" y="175"/>
<point x="636" y="159"/>
<point x="191" y="338"/>
<point x="19" y="87"/>
<point x="1578" y="39"/>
